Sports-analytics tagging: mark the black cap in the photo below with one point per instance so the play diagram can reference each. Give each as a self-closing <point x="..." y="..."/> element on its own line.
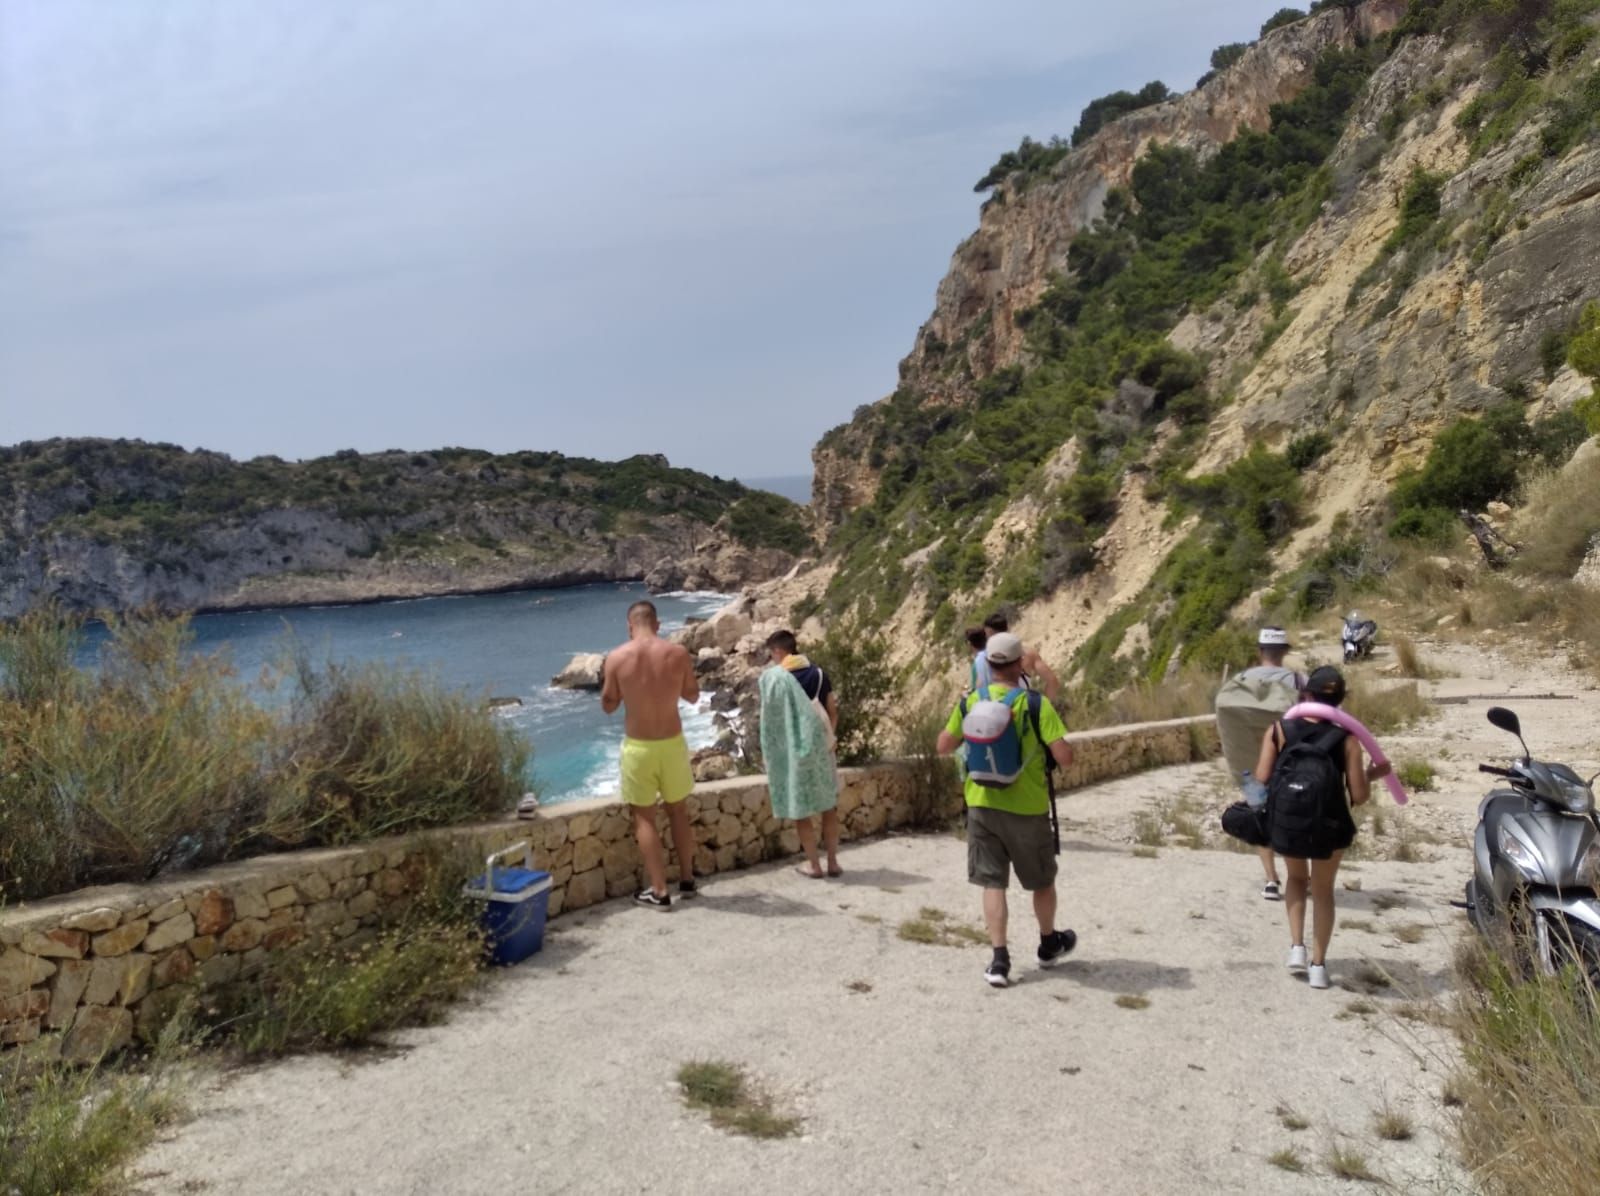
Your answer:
<point x="1326" y="685"/>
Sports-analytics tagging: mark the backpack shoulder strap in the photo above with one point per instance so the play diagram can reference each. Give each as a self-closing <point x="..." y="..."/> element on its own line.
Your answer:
<point x="1330" y="737"/>
<point x="1035" y="714"/>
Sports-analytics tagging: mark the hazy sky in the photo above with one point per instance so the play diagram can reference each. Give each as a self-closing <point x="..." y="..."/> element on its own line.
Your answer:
<point x="708" y="228"/>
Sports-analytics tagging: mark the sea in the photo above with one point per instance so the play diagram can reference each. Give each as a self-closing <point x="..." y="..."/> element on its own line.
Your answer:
<point x="488" y="645"/>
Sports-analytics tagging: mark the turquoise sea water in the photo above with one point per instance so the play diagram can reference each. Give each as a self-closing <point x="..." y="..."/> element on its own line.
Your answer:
<point x="500" y="645"/>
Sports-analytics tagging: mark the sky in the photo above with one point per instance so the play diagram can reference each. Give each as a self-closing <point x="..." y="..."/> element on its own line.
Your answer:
<point x="705" y="228"/>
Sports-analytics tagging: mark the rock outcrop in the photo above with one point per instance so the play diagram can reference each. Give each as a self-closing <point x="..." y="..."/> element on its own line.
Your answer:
<point x="586" y="670"/>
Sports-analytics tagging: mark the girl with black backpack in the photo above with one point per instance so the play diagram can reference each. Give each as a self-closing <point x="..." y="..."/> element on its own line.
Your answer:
<point x="1315" y="773"/>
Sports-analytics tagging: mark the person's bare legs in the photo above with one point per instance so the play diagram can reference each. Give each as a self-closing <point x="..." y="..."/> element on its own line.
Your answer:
<point x="682" y="842"/>
<point x="649" y="837"/>
<point x="1297" y="881"/>
<point x="994" y="916"/>
<point x="830" y="840"/>
<point x="808" y="843"/>
<point x="1044" y="908"/>
<point x="1269" y="863"/>
<point x="1323" y="873"/>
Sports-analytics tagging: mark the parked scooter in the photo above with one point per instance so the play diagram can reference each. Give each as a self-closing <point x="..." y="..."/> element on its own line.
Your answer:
<point x="1536" y="861"/>
<point x="1359" y="636"/>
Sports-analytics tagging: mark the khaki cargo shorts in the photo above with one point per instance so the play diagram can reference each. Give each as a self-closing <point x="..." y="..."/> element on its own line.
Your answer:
<point x="998" y="841"/>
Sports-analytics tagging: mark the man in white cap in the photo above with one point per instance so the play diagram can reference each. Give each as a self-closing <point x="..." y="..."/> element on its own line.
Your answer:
<point x="1008" y="800"/>
<point x="1247" y="705"/>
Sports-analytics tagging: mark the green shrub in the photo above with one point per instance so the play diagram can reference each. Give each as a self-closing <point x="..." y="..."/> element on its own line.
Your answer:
<point x="1418" y="776"/>
<point x="1284" y="16"/>
<point x="1225" y="56"/>
<point x="380" y="752"/>
<point x="325" y="994"/>
<point x="157" y="759"/>
<point x="1471" y="463"/>
<point x="1305" y="451"/>
<point x="1108" y="108"/>
<point x="865" y="686"/>
<point x="67" y="1129"/>
<point x="764" y="520"/>
<point x="1029" y="159"/>
<point x="1419" y="209"/>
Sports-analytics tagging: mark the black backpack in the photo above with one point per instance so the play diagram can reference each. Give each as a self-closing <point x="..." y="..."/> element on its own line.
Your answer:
<point x="1305" y="797"/>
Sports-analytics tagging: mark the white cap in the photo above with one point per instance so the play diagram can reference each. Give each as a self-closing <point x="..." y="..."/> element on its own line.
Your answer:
<point x="1273" y="637"/>
<point x="1003" y="648"/>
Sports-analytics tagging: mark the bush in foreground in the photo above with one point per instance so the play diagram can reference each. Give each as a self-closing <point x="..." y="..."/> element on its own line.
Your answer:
<point x="1529" y="1086"/>
<point x="157" y="760"/>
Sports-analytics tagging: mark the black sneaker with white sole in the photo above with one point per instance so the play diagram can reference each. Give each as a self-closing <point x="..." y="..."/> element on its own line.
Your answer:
<point x="1271" y="892"/>
<point x="1056" y="948"/>
<point x="998" y="973"/>
<point x="650" y="899"/>
<point x="686" y="888"/>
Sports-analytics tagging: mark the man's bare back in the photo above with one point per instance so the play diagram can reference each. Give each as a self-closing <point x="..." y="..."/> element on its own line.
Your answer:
<point x="647" y="675"/>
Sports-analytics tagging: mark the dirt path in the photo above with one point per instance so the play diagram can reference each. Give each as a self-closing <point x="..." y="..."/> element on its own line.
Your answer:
<point x="909" y="1072"/>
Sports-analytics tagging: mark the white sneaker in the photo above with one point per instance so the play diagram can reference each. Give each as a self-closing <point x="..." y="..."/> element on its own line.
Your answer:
<point x="1318" y="976"/>
<point x="1297" y="958"/>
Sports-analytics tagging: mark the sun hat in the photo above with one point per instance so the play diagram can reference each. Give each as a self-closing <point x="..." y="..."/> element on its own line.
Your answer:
<point x="1003" y="648"/>
<point x="1273" y="637"/>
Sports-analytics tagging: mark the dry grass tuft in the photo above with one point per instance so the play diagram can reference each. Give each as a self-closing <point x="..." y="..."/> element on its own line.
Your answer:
<point x="1345" y="1162"/>
<point x="1529" y="1087"/>
<point x="1393" y="1125"/>
<point x="933" y="928"/>
<point x="1411" y="932"/>
<point x="1410" y="661"/>
<point x="1287" y="1159"/>
<point x="1387" y="709"/>
<point x="735" y="1104"/>
<point x="1133" y="1001"/>
<point x="1291" y="1120"/>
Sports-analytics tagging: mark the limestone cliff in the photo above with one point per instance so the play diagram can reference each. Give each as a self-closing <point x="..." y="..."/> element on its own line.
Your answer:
<point x="1028" y="225"/>
<point x="116" y="525"/>
<point x="1420" y="274"/>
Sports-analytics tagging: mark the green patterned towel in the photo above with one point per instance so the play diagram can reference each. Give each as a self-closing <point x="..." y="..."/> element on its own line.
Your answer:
<point x="797" y="745"/>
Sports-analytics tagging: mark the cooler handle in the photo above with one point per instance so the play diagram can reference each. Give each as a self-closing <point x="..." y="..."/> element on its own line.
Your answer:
<point x="526" y="847"/>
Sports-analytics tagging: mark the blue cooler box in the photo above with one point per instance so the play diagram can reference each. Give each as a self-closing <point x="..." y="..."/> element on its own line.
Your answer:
<point x="516" y="904"/>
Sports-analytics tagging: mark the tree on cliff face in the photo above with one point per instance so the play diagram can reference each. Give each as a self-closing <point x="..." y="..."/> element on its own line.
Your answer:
<point x="1284" y="16"/>
<point x="1225" y="56"/>
<point x="1108" y="108"/>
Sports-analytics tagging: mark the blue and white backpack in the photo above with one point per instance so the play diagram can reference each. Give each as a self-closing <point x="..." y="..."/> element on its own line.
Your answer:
<point x="992" y="752"/>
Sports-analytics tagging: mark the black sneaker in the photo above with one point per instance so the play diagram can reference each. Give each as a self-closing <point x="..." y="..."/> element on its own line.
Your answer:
<point x="998" y="973"/>
<point x="1056" y="948"/>
<point x="647" y="897"/>
<point x="1271" y="892"/>
<point x="686" y="888"/>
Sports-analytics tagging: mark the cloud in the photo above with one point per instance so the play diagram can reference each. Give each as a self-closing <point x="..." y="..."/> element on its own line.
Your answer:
<point x="630" y="225"/>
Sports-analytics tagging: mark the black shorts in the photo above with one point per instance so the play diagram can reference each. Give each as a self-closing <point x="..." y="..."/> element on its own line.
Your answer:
<point x="998" y="841"/>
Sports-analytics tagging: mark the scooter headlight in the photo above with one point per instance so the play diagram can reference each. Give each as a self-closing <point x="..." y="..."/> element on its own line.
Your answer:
<point x="1589" y="867"/>
<point x="1515" y="850"/>
<point x="1579" y="798"/>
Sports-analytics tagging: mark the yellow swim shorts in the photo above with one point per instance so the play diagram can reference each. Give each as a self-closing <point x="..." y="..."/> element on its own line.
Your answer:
<point x="655" y="770"/>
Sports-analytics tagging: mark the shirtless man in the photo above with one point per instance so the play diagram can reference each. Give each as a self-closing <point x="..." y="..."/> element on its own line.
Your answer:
<point x="648" y="675"/>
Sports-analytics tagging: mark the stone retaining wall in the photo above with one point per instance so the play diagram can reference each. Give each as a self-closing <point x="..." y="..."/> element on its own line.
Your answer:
<point x="88" y="971"/>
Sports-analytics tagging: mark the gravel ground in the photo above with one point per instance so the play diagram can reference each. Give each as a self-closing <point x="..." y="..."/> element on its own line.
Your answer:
<point x="909" y="1072"/>
<point x="561" y="1075"/>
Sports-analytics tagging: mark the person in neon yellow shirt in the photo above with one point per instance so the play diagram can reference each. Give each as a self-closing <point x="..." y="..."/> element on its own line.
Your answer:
<point x="1009" y="829"/>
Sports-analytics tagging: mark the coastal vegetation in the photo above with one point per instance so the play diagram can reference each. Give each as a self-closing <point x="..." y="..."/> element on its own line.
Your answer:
<point x="155" y="758"/>
<point x="200" y="525"/>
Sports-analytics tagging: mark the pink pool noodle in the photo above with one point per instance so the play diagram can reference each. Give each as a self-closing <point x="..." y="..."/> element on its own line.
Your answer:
<point x="1332" y="714"/>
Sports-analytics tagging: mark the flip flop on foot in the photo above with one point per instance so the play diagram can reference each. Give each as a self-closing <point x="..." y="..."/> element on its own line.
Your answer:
<point x="807" y="873"/>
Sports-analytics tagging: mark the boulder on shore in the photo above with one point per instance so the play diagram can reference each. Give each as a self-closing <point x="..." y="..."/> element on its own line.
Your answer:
<point x="586" y="670"/>
<point x="714" y="764"/>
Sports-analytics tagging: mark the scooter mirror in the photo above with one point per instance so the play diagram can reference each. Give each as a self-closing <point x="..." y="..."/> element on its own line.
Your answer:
<point x="1506" y="720"/>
